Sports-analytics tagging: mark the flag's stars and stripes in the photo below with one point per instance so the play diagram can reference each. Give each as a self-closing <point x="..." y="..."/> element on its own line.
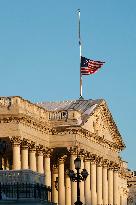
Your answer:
<point x="89" y="67"/>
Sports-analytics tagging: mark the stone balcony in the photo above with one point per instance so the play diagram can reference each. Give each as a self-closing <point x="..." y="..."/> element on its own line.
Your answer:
<point x="21" y="176"/>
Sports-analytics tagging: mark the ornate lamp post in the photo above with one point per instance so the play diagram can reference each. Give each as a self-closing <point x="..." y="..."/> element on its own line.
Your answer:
<point x="57" y="183"/>
<point x="78" y="177"/>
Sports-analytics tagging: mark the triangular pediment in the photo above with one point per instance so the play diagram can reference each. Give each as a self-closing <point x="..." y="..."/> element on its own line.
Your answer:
<point x="101" y="123"/>
<point x="89" y="115"/>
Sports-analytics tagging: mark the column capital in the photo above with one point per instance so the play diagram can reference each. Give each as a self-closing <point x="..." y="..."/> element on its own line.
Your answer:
<point x="105" y="163"/>
<point x="93" y="158"/>
<point x="15" y="140"/>
<point x="116" y="167"/>
<point x="111" y="165"/>
<point x="62" y="159"/>
<point x="99" y="161"/>
<point x="32" y="147"/>
<point x="24" y="144"/>
<point x="47" y="152"/>
<point x="81" y="152"/>
<point x="87" y="156"/>
<point x="39" y="150"/>
<point x="73" y="150"/>
<point x="125" y="191"/>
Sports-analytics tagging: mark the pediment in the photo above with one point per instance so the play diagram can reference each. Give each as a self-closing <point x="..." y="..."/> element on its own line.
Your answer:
<point x="101" y="123"/>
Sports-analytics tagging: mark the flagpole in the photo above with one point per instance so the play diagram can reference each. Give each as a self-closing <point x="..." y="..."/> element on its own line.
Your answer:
<point x="80" y="51"/>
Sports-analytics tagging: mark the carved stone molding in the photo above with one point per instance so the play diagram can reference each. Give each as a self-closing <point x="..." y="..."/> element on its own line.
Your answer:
<point x="27" y="121"/>
<point x="15" y="140"/>
<point x="5" y="102"/>
<point x="63" y="129"/>
<point x="92" y="137"/>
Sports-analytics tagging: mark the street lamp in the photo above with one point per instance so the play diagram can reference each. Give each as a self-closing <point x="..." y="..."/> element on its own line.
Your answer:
<point x="78" y="177"/>
<point x="57" y="183"/>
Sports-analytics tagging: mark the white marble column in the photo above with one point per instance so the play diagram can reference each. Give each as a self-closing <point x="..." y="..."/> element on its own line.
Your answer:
<point x="16" y="153"/>
<point x="40" y="159"/>
<point x="24" y="154"/>
<point x="54" y="189"/>
<point x="110" y="185"/>
<point x="121" y="199"/>
<point x="87" y="181"/>
<point x="124" y="196"/>
<point x="115" y="187"/>
<point x="93" y="180"/>
<point x="67" y="190"/>
<point x="105" y="182"/>
<point x="47" y="169"/>
<point x="32" y="157"/>
<point x="125" y="200"/>
<point x="73" y="155"/>
<point x="99" y="182"/>
<point x="61" y="186"/>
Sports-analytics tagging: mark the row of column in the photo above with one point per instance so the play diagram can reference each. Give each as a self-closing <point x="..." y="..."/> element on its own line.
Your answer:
<point x="28" y="156"/>
<point x="100" y="187"/>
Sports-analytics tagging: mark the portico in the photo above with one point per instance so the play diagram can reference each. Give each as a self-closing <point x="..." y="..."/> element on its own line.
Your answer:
<point x="47" y="137"/>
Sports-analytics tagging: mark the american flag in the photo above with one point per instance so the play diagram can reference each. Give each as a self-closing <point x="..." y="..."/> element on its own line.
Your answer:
<point x="89" y="67"/>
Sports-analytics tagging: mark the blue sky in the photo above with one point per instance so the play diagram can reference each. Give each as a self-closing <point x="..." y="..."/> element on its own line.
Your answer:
<point x="39" y="55"/>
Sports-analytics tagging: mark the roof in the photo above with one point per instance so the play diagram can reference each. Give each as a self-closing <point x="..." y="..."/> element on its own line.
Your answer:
<point x="81" y="105"/>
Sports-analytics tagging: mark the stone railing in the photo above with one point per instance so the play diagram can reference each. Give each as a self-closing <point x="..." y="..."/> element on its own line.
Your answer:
<point x="21" y="176"/>
<point x="16" y="104"/>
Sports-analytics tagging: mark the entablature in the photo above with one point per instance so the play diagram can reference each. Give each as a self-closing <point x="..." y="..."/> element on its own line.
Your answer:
<point x="86" y="135"/>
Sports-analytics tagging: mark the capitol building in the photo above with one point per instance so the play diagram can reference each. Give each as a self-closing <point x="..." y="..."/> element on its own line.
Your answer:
<point x="44" y="139"/>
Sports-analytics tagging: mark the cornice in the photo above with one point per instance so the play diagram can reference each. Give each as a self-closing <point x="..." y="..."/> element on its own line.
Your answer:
<point x="32" y="122"/>
<point x="93" y="137"/>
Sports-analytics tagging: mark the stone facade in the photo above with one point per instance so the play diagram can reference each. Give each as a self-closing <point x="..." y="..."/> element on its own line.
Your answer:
<point x="46" y="137"/>
<point x="132" y="189"/>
